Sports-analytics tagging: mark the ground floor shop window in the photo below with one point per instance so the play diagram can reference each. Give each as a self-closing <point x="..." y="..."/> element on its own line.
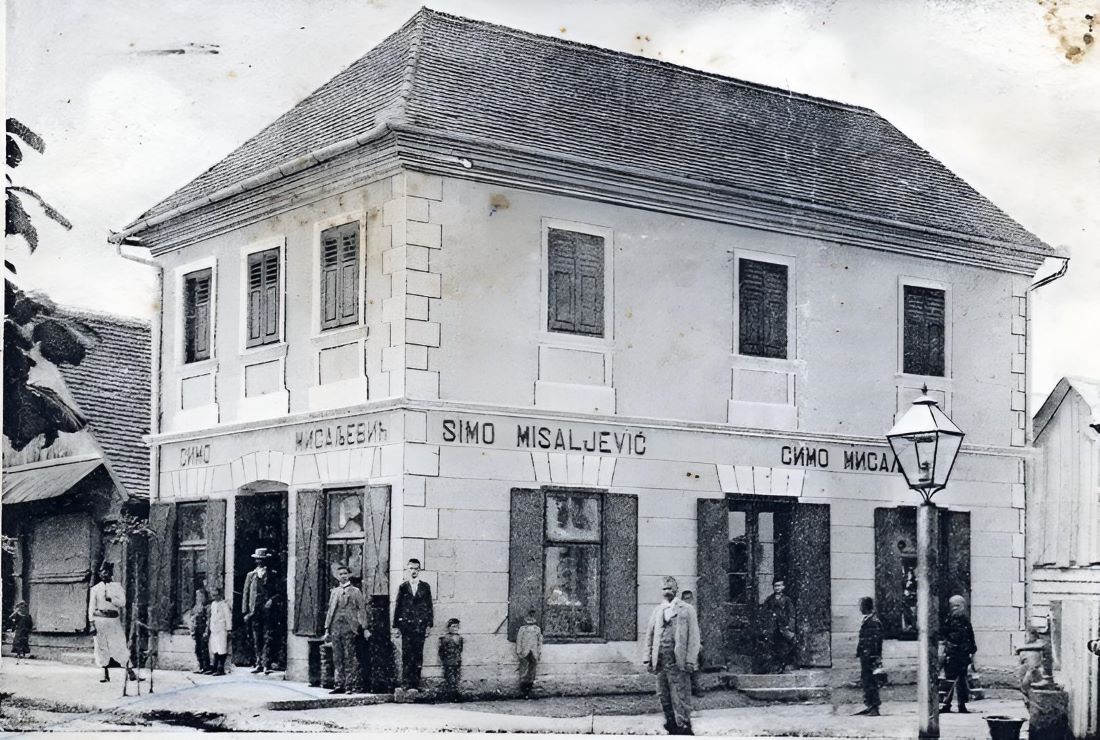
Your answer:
<point x="574" y="561"/>
<point x="344" y="539"/>
<point x="191" y="556"/>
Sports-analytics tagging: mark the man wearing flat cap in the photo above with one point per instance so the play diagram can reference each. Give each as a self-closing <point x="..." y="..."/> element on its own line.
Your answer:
<point x="262" y="609"/>
<point x="671" y="652"/>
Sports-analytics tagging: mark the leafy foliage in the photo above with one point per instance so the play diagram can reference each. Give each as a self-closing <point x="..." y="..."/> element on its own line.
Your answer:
<point x="16" y="219"/>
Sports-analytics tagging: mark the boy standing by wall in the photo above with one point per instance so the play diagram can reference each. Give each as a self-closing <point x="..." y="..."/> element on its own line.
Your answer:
<point x="528" y="650"/>
<point x="450" y="655"/>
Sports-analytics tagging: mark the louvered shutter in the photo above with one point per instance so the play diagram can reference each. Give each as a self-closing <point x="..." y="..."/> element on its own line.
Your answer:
<point x="162" y="562"/>
<point x="263" y="297"/>
<point x="712" y="586"/>
<point x="561" y="282"/>
<point x="589" y="282"/>
<point x="376" y="544"/>
<point x="349" y="274"/>
<point x="255" y="299"/>
<point x="762" y="309"/>
<point x="525" y="557"/>
<point x="340" y="276"/>
<point x="330" y="275"/>
<point x="575" y="282"/>
<point x="924" y="319"/>
<point x="309" y="551"/>
<point x="215" y="544"/>
<point x="620" y="567"/>
<point x="197" y="316"/>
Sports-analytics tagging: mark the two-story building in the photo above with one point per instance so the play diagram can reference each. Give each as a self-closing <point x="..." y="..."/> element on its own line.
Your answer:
<point x="559" y="321"/>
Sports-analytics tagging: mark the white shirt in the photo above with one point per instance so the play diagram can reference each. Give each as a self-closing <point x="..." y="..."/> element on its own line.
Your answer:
<point x="97" y="600"/>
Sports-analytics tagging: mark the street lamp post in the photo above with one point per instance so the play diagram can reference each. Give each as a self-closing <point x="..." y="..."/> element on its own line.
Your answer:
<point x="926" y="442"/>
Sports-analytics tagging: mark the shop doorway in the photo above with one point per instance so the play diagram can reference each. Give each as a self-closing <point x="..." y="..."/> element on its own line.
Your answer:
<point x="745" y="543"/>
<point x="260" y="522"/>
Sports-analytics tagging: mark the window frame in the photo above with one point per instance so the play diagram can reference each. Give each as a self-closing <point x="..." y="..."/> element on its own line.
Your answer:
<point x="182" y="600"/>
<point x="600" y="496"/>
<point x="319" y="227"/>
<point x="916" y="282"/>
<point x="180" y="345"/>
<point x="564" y="338"/>
<point x="276" y="243"/>
<point x="777" y="259"/>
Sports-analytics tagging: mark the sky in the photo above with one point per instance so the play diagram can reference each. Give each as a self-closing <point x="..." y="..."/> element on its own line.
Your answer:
<point x="134" y="99"/>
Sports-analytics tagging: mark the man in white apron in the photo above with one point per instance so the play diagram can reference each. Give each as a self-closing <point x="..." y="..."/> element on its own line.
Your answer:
<point x="105" y="605"/>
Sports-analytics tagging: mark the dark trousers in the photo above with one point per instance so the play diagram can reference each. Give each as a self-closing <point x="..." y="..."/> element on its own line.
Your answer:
<point x="219" y="664"/>
<point x="345" y="660"/>
<point x="263" y="640"/>
<point x="954" y="669"/>
<point x="202" y="652"/>
<point x="674" y="689"/>
<point x="528" y="664"/>
<point x="870" y="684"/>
<point x="412" y="658"/>
<point x="452" y="676"/>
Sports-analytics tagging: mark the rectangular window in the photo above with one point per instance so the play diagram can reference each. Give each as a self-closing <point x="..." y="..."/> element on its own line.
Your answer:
<point x="344" y="541"/>
<point x="191" y="555"/>
<point x="924" y="322"/>
<point x="196" y="312"/>
<point x="572" y="565"/>
<point x="263" y="298"/>
<point x="575" y="282"/>
<point x="340" y="276"/>
<point x="762" y="309"/>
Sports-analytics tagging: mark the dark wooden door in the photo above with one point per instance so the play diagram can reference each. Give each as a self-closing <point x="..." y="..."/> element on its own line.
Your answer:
<point x="809" y="581"/>
<point x="261" y="521"/>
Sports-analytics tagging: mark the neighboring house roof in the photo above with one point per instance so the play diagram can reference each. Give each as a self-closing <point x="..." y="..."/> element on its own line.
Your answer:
<point x="463" y="78"/>
<point x="47" y="479"/>
<point x="112" y="388"/>
<point x="1087" y="389"/>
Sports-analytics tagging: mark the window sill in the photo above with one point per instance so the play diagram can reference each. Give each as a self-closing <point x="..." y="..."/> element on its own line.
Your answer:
<point x="333" y="337"/>
<point x="767" y="363"/>
<point x="202" y="367"/>
<point x="575" y="341"/>
<point x="264" y="352"/>
<point x="933" y="381"/>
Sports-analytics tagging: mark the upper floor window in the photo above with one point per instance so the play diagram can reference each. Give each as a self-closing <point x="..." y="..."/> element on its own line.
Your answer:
<point x="575" y="282"/>
<point x="263" y="298"/>
<point x="762" y="308"/>
<point x="196" y="328"/>
<point x="923" y="330"/>
<point x="340" y="276"/>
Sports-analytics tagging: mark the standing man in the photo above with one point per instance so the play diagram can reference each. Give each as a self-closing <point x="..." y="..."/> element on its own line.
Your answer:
<point x="105" y="604"/>
<point x="869" y="652"/>
<point x="958" y="650"/>
<point x="347" y="615"/>
<point x="261" y="609"/>
<point x="688" y="597"/>
<point x="412" y="617"/>
<point x="671" y="650"/>
<point x="777" y="613"/>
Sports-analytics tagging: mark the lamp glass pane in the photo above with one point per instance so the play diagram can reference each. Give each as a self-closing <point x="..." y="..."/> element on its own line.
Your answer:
<point x="949" y="445"/>
<point x="906" y="453"/>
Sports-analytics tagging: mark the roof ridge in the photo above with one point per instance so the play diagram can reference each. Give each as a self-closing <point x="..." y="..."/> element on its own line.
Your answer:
<point x="408" y="74"/>
<point x="637" y="58"/>
<point x="91" y="313"/>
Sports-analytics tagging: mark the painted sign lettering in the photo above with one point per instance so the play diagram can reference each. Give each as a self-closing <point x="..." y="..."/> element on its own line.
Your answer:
<point x="536" y="437"/>
<point x="873" y="461"/>
<point x="194" y="455"/>
<point x="351" y="434"/>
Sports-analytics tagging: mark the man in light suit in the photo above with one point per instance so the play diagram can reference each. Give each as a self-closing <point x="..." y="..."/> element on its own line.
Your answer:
<point x="671" y="651"/>
<point x="347" y="615"/>
<point x="412" y="617"/>
<point x="261" y="608"/>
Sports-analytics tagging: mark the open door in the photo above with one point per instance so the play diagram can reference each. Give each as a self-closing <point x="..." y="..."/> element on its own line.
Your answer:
<point x="261" y="521"/>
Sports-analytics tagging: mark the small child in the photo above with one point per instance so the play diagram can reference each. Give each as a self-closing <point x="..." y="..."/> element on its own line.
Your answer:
<point x="199" y="631"/>
<point x="450" y="655"/>
<point x="21" y="625"/>
<point x="528" y="650"/>
<point x="218" y="629"/>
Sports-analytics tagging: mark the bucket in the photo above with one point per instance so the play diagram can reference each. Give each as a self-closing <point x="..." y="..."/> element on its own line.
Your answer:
<point x="1004" y="728"/>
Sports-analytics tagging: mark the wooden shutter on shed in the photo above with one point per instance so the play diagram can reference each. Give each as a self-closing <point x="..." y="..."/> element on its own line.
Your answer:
<point x="215" y="544"/>
<point x="340" y="276"/>
<point x="376" y="545"/>
<point x="620" y="567"/>
<point x="263" y="297"/>
<point x="575" y="282"/>
<point x="762" y="309"/>
<point x="712" y="586"/>
<point x="162" y="562"/>
<point x="526" y="535"/>
<point x="309" y="554"/>
<point x="923" y="352"/>
<point x="811" y="573"/>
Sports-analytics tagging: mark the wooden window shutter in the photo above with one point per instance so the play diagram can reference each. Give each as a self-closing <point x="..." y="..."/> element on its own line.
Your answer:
<point x="712" y="586"/>
<point x="197" y="287"/>
<point x="215" y="544"/>
<point x="811" y="580"/>
<point x="376" y="543"/>
<point x="620" y="567"/>
<point x="925" y="315"/>
<point x="891" y="527"/>
<point x="162" y="565"/>
<point x="271" y="296"/>
<point x="575" y="282"/>
<point x="954" y="557"/>
<point x="309" y="553"/>
<point x="525" y="557"/>
<point x="340" y="276"/>
<point x="263" y="297"/>
<point x="762" y="309"/>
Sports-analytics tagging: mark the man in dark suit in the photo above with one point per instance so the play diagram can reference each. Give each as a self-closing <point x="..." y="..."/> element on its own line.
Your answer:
<point x="412" y="617"/>
<point x="869" y="652"/>
<point x="261" y="609"/>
